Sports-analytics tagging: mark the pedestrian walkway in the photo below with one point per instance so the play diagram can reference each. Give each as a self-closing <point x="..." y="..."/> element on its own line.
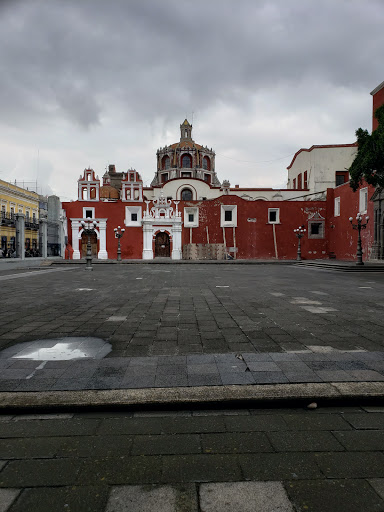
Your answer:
<point x="328" y="459"/>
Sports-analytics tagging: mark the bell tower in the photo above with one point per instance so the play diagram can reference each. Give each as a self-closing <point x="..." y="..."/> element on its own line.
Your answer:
<point x="185" y="131"/>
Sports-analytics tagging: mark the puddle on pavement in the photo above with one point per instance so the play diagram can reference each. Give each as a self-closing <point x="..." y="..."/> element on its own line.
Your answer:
<point x="60" y="349"/>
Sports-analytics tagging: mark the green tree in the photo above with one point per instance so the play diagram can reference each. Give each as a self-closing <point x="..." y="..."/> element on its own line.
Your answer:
<point x="369" y="161"/>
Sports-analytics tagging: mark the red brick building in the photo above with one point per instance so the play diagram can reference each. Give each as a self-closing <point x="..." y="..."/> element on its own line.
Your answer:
<point x="188" y="213"/>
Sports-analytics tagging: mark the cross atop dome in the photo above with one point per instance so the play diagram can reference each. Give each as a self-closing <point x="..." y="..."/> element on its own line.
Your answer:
<point x="185" y="131"/>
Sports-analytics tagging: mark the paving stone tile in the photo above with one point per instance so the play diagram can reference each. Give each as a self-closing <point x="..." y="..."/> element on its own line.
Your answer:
<point x="200" y="468"/>
<point x="44" y="428"/>
<point x="324" y="365"/>
<point x="199" y="359"/>
<point x="361" y="440"/>
<point x="304" y="441"/>
<point x="171" y="370"/>
<point x="374" y="421"/>
<point x="284" y="356"/>
<point x="351" y="464"/>
<point x="94" y="446"/>
<point x="302" y="377"/>
<point x="29" y="448"/>
<point x="120" y="470"/>
<point x="279" y="466"/>
<point x="48" y="499"/>
<point x="171" y="380"/>
<point x="333" y="495"/>
<point x="260" y="422"/>
<point x="234" y="378"/>
<point x="313" y="422"/>
<point x="204" y="380"/>
<point x="366" y="375"/>
<point x="39" y="472"/>
<point x="335" y="376"/>
<point x="263" y="366"/>
<point x="269" y="377"/>
<point x="228" y="442"/>
<point x="9" y="385"/>
<point x="209" y="368"/>
<point x="250" y="357"/>
<point x="231" y="368"/>
<point x="166" y="444"/>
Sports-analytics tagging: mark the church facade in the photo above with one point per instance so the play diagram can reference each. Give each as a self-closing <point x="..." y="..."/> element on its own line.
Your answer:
<point x="188" y="213"/>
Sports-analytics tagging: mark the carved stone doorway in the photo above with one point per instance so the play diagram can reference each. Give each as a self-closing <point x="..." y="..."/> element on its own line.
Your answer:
<point x="162" y="245"/>
<point x="84" y="241"/>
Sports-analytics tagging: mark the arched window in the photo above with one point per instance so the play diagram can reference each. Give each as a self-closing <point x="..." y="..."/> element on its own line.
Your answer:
<point x="186" y="161"/>
<point x="186" y="195"/>
<point x="166" y="163"/>
<point x="206" y="163"/>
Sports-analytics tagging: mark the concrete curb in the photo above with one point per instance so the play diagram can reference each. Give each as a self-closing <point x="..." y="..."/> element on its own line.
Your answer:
<point x="203" y="395"/>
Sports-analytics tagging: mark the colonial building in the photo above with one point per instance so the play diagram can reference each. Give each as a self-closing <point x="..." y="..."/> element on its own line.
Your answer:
<point x="187" y="212"/>
<point x="19" y="216"/>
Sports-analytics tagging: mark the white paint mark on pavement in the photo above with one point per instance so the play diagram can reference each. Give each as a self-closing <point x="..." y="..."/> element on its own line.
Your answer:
<point x="366" y="287"/>
<point x="40" y="367"/>
<point x="84" y="289"/>
<point x="319" y="293"/>
<point x="277" y="294"/>
<point x="222" y="286"/>
<point x="304" y="300"/>
<point x="318" y="309"/>
<point x="35" y="273"/>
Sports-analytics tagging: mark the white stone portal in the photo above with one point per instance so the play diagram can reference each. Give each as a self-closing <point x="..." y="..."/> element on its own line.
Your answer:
<point x="101" y="233"/>
<point x="162" y="217"/>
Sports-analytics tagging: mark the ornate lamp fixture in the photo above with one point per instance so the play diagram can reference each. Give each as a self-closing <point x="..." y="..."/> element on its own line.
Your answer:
<point x="359" y="226"/>
<point x="119" y="232"/>
<point x="299" y="232"/>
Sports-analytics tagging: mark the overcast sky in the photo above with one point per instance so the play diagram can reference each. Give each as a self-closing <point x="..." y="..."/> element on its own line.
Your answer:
<point x="92" y="82"/>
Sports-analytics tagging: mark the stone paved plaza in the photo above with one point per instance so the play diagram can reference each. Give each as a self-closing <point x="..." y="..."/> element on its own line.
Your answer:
<point x="148" y="336"/>
<point x="269" y="460"/>
<point x="190" y="325"/>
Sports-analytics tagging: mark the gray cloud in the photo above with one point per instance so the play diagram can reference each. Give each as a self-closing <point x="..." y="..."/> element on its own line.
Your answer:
<point x="94" y="67"/>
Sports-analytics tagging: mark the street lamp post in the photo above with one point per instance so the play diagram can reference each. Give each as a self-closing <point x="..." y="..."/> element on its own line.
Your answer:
<point x="299" y="232"/>
<point x="118" y="234"/>
<point x="89" y="229"/>
<point x="359" y="226"/>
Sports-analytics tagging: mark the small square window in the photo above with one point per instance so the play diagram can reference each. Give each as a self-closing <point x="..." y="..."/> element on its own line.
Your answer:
<point x="315" y="229"/>
<point x="88" y="214"/>
<point x="228" y="215"/>
<point x="134" y="217"/>
<point x="191" y="217"/>
<point x="273" y="215"/>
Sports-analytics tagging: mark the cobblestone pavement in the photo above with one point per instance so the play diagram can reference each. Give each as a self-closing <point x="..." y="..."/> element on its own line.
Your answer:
<point x="330" y="459"/>
<point x="192" y="325"/>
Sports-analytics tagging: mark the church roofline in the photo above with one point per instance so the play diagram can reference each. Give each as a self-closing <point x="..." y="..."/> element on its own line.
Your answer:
<point x="324" y="146"/>
<point x="377" y="89"/>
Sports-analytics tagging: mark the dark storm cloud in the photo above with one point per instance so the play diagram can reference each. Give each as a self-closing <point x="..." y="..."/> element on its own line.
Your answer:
<point x="149" y="58"/>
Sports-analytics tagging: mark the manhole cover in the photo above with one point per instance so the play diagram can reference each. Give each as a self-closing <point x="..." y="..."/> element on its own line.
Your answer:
<point x="60" y="349"/>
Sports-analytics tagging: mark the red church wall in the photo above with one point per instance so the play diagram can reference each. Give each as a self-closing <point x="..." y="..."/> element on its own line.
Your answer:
<point x="254" y="235"/>
<point x="132" y="240"/>
<point x="342" y="237"/>
<point x="378" y="100"/>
